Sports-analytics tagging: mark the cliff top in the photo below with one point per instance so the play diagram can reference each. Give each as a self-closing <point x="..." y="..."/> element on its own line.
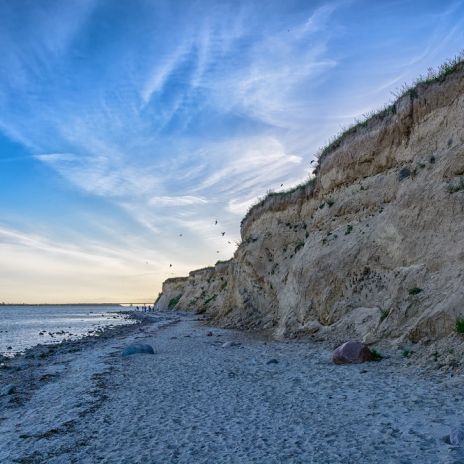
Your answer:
<point x="280" y="200"/>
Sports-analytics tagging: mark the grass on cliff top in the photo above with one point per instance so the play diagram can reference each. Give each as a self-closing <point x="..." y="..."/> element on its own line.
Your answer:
<point x="432" y="76"/>
<point x="280" y="194"/>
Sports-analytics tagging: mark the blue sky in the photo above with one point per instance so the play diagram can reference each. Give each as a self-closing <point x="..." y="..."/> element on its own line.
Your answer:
<point x="126" y="123"/>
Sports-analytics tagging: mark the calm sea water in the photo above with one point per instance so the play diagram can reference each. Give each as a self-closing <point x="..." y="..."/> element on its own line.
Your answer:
<point x="22" y="327"/>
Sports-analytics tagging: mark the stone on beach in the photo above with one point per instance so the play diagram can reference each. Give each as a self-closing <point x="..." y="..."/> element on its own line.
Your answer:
<point x="229" y="344"/>
<point x="8" y="390"/>
<point x="137" y="348"/>
<point x="456" y="437"/>
<point x="352" y="352"/>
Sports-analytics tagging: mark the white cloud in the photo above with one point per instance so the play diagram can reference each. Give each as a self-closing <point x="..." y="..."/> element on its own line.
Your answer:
<point x="54" y="157"/>
<point x="186" y="200"/>
<point x="163" y="70"/>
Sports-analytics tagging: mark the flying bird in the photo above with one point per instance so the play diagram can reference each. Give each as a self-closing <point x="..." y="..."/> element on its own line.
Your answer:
<point x="180" y="235"/>
<point x="313" y="161"/>
<point x="223" y="233"/>
<point x="215" y="222"/>
<point x="281" y="185"/>
<point x="170" y="265"/>
<point x="217" y="251"/>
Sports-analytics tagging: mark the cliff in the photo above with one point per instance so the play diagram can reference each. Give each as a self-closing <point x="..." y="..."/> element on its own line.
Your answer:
<point x="372" y="247"/>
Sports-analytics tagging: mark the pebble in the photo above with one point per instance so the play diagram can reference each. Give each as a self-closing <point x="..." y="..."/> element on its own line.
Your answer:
<point x="456" y="437"/>
<point x="229" y="344"/>
<point x="8" y="389"/>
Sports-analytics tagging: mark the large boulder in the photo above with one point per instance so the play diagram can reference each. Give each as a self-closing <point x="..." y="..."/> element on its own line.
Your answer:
<point x="137" y="348"/>
<point x="352" y="352"/>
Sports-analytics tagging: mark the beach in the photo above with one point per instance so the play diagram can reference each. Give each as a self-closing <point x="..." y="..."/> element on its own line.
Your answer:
<point x="210" y="395"/>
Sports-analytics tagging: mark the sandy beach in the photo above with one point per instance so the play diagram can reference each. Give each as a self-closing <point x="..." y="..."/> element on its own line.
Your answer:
<point x="211" y="395"/>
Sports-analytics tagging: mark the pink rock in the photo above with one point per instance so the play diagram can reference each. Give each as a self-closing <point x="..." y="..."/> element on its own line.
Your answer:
<point x="352" y="352"/>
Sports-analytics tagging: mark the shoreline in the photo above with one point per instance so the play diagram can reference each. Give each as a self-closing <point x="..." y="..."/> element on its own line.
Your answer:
<point x="33" y="358"/>
<point x="53" y="330"/>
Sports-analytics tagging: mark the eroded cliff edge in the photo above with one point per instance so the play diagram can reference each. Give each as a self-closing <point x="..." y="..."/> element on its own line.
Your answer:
<point x="373" y="247"/>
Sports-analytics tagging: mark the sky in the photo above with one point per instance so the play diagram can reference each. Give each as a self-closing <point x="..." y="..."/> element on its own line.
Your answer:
<point x="128" y="127"/>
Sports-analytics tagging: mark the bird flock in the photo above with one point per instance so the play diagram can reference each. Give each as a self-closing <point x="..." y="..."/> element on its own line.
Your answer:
<point x="216" y="222"/>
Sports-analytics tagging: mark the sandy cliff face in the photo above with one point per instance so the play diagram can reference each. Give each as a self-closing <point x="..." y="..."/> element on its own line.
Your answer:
<point x="373" y="248"/>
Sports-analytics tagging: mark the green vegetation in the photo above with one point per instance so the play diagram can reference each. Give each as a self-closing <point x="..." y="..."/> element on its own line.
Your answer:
<point x="383" y="314"/>
<point x="173" y="302"/>
<point x="414" y="290"/>
<point x="460" y="325"/>
<point x="432" y="77"/>
<point x="330" y="202"/>
<point x="348" y="230"/>
<point x="407" y="353"/>
<point x="210" y="299"/>
<point x="454" y="187"/>
<point x="376" y="355"/>
<point x="283" y="193"/>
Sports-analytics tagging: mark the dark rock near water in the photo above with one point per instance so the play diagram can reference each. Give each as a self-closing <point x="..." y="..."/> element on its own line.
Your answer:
<point x="138" y="348"/>
<point x="273" y="361"/>
<point x="456" y="436"/>
<point x="8" y="390"/>
<point x="404" y="173"/>
<point x="352" y="352"/>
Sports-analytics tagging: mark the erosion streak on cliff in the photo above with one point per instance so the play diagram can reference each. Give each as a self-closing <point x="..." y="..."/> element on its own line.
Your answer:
<point x="372" y="247"/>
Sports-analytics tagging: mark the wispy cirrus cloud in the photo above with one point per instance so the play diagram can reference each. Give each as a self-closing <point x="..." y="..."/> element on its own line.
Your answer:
<point x="186" y="200"/>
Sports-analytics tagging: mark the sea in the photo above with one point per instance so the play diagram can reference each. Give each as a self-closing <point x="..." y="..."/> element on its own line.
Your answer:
<point x="25" y="326"/>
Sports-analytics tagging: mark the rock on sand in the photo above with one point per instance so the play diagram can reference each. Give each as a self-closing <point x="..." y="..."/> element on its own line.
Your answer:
<point x="456" y="437"/>
<point x="352" y="352"/>
<point x="137" y="348"/>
